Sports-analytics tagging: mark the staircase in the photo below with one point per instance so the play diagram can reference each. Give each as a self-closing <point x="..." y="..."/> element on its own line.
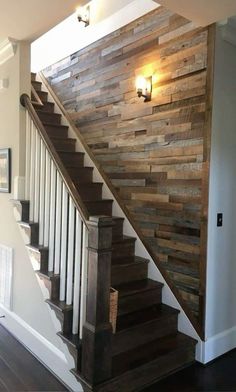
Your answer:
<point x="145" y="344"/>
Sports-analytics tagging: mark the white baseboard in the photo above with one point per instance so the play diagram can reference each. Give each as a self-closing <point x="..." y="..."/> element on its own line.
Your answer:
<point x="49" y="355"/>
<point x="216" y="346"/>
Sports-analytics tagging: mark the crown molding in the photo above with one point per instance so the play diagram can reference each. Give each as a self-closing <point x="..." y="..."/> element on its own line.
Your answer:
<point x="8" y="49"/>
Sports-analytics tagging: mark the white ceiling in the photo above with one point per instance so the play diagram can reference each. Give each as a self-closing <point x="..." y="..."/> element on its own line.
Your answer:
<point x="28" y="19"/>
<point x="203" y="12"/>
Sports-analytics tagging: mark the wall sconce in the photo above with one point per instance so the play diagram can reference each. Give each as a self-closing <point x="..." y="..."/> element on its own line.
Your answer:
<point x="144" y="87"/>
<point x="83" y="15"/>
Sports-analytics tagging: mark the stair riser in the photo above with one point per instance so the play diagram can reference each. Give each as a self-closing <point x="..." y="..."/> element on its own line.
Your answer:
<point x="33" y="76"/>
<point x="139" y="301"/>
<point x="53" y="287"/>
<point x="51" y="118"/>
<point x="39" y="259"/>
<point x="138" y="379"/>
<point x="21" y="212"/>
<point x="78" y="173"/>
<point x="64" y="145"/>
<point x="65" y="319"/>
<point x="144" y="333"/>
<point x="75" y="352"/>
<point x="99" y="208"/>
<point x="90" y="192"/>
<point x="72" y="159"/>
<point x="124" y="274"/>
<point x="48" y="107"/>
<point x="122" y="250"/>
<point x="42" y="95"/>
<point x="57" y="132"/>
<point x="117" y="230"/>
<point x="30" y="234"/>
<point x="37" y="86"/>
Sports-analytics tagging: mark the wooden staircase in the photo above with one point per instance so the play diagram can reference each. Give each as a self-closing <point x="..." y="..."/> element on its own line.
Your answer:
<point x="146" y="345"/>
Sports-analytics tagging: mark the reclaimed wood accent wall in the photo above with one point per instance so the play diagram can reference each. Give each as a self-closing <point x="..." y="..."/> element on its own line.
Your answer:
<point x="152" y="152"/>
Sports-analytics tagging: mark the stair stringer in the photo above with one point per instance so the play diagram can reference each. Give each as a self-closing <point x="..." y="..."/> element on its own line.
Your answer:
<point x="184" y="324"/>
<point x="71" y="380"/>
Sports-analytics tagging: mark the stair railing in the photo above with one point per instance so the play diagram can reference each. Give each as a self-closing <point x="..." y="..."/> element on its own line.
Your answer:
<point x="79" y="246"/>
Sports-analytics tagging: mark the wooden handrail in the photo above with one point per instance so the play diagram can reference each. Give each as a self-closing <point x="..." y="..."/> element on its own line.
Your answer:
<point x="34" y="93"/>
<point x="26" y="102"/>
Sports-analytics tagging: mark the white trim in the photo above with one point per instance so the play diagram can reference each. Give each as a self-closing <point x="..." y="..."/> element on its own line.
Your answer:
<point x="8" y="49"/>
<point x="41" y="348"/>
<point x="216" y="345"/>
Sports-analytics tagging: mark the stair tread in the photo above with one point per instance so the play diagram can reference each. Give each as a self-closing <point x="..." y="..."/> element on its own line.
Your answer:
<point x="48" y="274"/>
<point x="151" y="351"/>
<point x="71" y="152"/>
<point x="37" y="247"/>
<point x="138" y="286"/>
<point x="59" y="305"/>
<point x="19" y="201"/>
<point x="46" y="123"/>
<point x="63" y="140"/>
<point x="72" y="339"/>
<point x="124" y="238"/>
<point x="98" y="201"/>
<point x="28" y="224"/>
<point x="134" y="260"/>
<point x="140" y="317"/>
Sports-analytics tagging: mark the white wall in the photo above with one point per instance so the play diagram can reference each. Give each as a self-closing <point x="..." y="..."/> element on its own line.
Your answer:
<point x="28" y="302"/>
<point x="221" y="269"/>
<point x="70" y="36"/>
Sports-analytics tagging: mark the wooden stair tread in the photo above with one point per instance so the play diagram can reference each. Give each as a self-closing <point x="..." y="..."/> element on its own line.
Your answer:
<point x="101" y="201"/>
<point x="48" y="275"/>
<point x="144" y="316"/>
<point x="134" y="260"/>
<point x="37" y="248"/>
<point x="56" y="139"/>
<point x="48" y="124"/>
<point x="70" y="338"/>
<point x="59" y="305"/>
<point x="27" y="224"/>
<point x="151" y="351"/>
<point x="19" y="201"/>
<point x="123" y="239"/>
<point x="138" y="286"/>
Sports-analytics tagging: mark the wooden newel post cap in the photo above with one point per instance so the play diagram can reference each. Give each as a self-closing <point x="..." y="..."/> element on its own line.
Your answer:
<point x="100" y="232"/>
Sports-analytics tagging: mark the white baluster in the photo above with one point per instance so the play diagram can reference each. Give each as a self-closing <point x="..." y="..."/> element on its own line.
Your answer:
<point x="77" y="276"/>
<point x="52" y="217"/>
<point x="32" y="171"/>
<point x="47" y="199"/>
<point x="64" y="233"/>
<point x="42" y="193"/>
<point x="37" y="177"/>
<point x="70" y="259"/>
<point x="27" y="156"/>
<point x="84" y="277"/>
<point x="58" y="225"/>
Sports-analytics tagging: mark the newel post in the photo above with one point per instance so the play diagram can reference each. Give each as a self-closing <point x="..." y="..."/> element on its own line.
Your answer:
<point x="97" y="330"/>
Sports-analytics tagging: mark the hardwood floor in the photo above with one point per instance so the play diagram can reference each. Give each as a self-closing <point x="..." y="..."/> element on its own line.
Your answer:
<point x="218" y="376"/>
<point x="20" y="370"/>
